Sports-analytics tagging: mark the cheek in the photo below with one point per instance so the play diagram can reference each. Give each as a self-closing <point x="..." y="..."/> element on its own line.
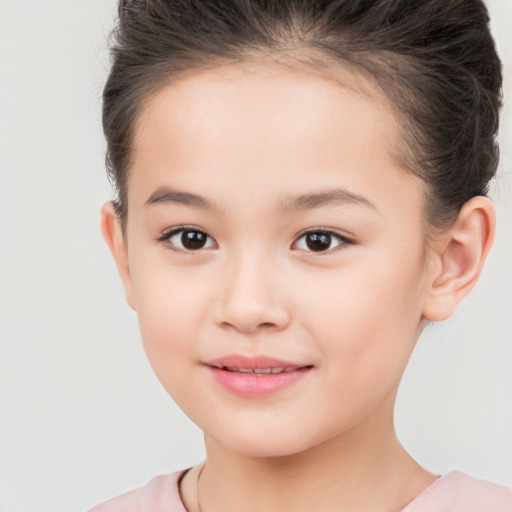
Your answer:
<point x="369" y="315"/>
<point x="172" y="305"/>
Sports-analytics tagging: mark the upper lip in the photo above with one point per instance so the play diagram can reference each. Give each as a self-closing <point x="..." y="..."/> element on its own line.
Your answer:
<point x="238" y="361"/>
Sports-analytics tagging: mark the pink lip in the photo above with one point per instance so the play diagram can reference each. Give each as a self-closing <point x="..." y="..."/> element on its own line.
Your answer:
<point x="239" y="374"/>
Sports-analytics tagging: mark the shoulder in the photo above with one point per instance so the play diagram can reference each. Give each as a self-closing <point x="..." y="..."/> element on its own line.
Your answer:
<point x="161" y="494"/>
<point x="458" y="492"/>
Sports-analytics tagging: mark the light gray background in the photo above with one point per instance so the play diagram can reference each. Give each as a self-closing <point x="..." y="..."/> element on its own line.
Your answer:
<point x="82" y="416"/>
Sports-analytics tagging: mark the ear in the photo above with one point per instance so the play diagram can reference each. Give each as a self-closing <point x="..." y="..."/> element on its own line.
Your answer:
<point x="457" y="258"/>
<point x="113" y="235"/>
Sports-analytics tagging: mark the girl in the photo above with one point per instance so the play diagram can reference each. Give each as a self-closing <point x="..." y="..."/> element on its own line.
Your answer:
<point x="301" y="188"/>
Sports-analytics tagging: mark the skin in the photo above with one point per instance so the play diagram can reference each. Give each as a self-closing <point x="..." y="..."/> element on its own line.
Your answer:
<point x="250" y="139"/>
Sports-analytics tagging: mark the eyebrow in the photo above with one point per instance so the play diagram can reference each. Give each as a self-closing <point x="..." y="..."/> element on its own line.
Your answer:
<point x="338" y="196"/>
<point x="164" y="195"/>
<point x="326" y="198"/>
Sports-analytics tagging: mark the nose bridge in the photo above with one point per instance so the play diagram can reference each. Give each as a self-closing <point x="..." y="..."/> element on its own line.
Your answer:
<point x="251" y="298"/>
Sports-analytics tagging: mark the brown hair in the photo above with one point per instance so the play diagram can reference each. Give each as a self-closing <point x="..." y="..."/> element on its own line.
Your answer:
<point x="434" y="59"/>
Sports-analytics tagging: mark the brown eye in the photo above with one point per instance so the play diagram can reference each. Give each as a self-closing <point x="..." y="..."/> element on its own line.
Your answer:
<point x="189" y="239"/>
<point x="193" y="239"/>
<point x="320" y="241"/>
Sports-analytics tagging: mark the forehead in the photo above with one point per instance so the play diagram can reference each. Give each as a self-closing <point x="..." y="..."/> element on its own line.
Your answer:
<point x="265" y="121"/>
<point x="293" y="102"/>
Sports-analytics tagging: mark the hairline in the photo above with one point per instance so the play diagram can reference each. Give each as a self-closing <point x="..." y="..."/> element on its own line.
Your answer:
<point x="348" y="74"/>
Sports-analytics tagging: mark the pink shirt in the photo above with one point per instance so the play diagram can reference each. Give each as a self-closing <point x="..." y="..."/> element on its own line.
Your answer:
<point x="454" y="492"/>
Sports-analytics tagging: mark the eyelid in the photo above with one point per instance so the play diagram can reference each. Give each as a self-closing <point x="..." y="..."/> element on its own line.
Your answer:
<point x="343" y="239"/>
<point x="165" y="236"/>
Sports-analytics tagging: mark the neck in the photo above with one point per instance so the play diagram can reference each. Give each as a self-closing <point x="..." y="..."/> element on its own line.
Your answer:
<point x="364" y="469"/>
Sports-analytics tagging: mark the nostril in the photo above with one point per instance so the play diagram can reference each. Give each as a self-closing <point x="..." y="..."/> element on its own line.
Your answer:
<point x="250" y="314"/>
<point x="266" y="325"/>
<point x="239" y="326"/>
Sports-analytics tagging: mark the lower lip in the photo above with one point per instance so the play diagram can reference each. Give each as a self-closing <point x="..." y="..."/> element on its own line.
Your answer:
<point x="256" y="385"/>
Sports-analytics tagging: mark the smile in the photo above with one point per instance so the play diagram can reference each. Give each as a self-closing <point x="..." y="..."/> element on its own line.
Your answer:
<point x="258" y="371"/>
<point x="256" y="376"/>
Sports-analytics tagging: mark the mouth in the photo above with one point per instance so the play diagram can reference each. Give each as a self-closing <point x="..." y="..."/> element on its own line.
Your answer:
<point x="274" y="370"/>
<point x="256" y="376"/>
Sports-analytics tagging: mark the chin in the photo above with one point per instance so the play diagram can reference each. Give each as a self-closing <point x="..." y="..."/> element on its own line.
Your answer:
<point x="264" y="444"/>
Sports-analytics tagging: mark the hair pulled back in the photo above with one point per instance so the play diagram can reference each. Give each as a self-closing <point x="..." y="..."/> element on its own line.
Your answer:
<point x="435" y="60"/>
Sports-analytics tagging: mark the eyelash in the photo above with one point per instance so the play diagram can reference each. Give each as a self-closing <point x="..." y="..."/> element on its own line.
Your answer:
<point x="342" y="240"/>
<point x="167" y="235"/>
<point x="165" y="238"/>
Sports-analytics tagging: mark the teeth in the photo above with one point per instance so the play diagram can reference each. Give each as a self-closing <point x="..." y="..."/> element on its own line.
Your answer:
<point x="263" y="370"/>
<point x="259" y="371"/>
<point x="266" y="371"/>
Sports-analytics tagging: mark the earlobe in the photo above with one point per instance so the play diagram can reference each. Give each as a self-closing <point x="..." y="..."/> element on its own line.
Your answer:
<point x="457" y="258"/>
<point x="113" y="236"/>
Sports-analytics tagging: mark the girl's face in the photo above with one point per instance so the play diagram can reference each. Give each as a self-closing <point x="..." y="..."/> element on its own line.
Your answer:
<point x="269" y="227"/>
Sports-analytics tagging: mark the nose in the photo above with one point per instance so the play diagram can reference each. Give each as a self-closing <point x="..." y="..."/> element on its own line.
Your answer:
<point x="250" y="297"/>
